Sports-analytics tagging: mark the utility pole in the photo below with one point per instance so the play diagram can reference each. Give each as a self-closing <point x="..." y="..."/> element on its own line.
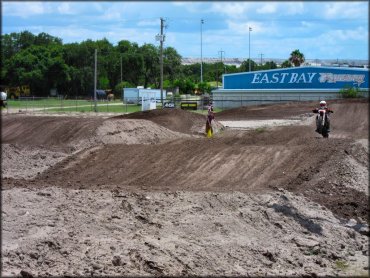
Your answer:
<point x="95" y="75"/>
<point x="201" y="50"/>
<point x="161" y="40"/>
<point x="217" y="77"/>
<point x="220" y="52"/>
<point x="250" y="29"/>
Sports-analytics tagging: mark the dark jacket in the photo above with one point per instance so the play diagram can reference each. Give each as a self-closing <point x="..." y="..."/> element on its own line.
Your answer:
<point x="327" y="109"/>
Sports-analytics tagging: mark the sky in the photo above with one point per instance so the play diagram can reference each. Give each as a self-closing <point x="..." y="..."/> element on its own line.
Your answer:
<point x="319" y="29"/>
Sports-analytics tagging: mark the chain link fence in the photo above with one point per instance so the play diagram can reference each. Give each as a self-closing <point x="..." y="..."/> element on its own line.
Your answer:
<point x="61" y="105"/>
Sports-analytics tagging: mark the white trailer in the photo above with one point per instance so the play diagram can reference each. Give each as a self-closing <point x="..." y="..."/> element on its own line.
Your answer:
<point x="134" y="95"/>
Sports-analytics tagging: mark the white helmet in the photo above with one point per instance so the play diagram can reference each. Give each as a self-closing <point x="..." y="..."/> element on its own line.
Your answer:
<point x="322" y="103"/>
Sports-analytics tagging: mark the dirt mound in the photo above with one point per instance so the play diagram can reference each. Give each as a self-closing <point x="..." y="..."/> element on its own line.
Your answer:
<point x="295" y="109"/>
<point x="351" y="119"/>
<point x="47" y="130"/>
<point x="87" y="233"/>
<point x="139" y="194"/>
<point x="258" y="160"/>
<point x="247" y="162"/>
<point x="174" y="119"/>
<point x="78" y="133"/>
<point x="267" y="111"/>
<point x="27" y="162"/>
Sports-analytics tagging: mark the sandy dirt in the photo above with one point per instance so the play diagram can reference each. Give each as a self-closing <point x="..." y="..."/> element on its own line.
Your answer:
<point x="148" y="194"/>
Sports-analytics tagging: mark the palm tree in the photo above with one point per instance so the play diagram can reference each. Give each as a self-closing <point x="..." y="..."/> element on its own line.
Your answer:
<point x="296" y="58"/>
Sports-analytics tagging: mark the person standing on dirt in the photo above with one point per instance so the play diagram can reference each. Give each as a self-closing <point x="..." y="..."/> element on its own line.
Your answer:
<point x="324" y="106"/>
<point x="210" y="118"/>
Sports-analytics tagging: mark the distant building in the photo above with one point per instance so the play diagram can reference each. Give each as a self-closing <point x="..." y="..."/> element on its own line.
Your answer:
<point x="309" y="62"/>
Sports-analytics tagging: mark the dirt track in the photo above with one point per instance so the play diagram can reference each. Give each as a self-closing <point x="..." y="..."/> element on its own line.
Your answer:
<point x="147" y="193"/>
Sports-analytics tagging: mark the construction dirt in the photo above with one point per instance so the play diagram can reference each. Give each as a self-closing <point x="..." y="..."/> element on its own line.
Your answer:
<point x="148" y="194"/>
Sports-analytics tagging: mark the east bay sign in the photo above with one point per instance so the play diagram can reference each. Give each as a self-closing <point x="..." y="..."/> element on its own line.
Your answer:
<point x="302" y="77"/>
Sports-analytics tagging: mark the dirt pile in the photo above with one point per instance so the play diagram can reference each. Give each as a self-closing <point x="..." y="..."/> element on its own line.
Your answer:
<point x="148" y="194"/>
<point x="175" y="233"/>
<point x="173" y="119"/>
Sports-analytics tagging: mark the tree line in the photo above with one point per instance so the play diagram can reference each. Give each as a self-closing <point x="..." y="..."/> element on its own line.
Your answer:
<point x="44" y="62"/>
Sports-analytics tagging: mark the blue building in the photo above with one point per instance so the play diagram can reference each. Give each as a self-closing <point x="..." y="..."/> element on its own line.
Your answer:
<point x="288" y="84"/>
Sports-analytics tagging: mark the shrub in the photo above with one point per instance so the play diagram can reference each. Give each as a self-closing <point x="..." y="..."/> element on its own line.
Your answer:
<point x="350" y="92"/>
<point x="342" y="265"/>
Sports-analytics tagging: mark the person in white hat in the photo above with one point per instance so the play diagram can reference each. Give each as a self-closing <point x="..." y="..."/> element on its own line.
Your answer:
<point x="323" y="105"/>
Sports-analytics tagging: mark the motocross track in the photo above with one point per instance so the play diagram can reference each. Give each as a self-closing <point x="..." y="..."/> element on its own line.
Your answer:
<point x="147" y="194"/>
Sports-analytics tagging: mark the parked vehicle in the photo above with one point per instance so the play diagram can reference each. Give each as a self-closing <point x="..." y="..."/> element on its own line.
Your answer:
<point x="18" y="91"/>
<point x="3" y="97"/>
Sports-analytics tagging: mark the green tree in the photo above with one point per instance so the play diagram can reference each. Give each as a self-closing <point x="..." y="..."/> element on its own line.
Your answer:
<point x="171" y="63"/>
<point x="270" y="65"/>
<point x="244" y="67"/>
<point x="103" y="83"/>
<point x="120" y="86"/>
<point x="286" y="64"/>
<point x="45" y="40"/>
<point x="204" y="87"/>
<point x="132" y="62"/>
<point x="192" y="71"/>
<point x="39" y="67"/>
<point x="296" y="58"/>
<point x="24" y="40"/>
<point x="186" y="86"/>
<point x="150" y="56"/>
<point x="231" y="69"/>
<point x="80" y="58"/>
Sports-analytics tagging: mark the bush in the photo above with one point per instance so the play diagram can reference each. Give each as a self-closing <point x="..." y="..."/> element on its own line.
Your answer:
<point x="119" y="87"/>
<point x="350" y="92"/>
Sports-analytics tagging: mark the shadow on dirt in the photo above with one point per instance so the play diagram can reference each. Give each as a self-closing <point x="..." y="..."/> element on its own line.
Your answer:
<point x="306" y="223"/>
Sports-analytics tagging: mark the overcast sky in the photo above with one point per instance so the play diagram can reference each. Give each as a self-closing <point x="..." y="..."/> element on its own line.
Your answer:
<point x="320" y="30"/>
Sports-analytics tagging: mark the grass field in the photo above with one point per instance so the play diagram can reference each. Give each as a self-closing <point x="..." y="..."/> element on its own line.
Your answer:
<point x="53" y="105"/>
<point x="65" y="105"/>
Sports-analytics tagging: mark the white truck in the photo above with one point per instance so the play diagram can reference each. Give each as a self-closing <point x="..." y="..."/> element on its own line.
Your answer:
<point x="3" y="98"/>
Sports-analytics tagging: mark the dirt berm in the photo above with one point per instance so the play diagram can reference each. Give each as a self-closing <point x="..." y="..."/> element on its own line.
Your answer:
<point x="148" y="194"/>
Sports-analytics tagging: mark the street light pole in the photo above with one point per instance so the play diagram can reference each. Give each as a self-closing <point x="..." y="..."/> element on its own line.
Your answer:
<point x="221" y="51"/>
<point x="250" y="29"/>
<point x="95" y="78"/>
<point x="201" y="50"/>
<point x="121" y="68"/>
